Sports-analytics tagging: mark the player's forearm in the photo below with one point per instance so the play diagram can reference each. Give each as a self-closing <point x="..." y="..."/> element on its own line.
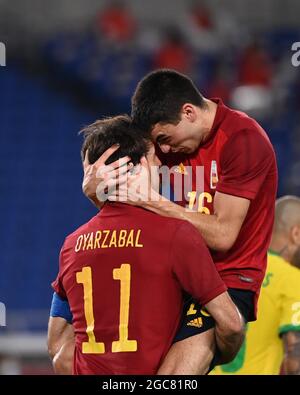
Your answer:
<point x="230" y="335"/>
<point x="63" y="360"/>
<point x="228" y="344"/>
<point x="291" y="361"/>
<point x="229" y="329"/>
<point x="291" y="365"/>
<point x="216" y="234"/>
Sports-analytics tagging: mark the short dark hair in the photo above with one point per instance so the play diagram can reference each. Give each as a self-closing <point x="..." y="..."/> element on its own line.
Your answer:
<point x="160" y="96"/>
<point x="104" y="133"/>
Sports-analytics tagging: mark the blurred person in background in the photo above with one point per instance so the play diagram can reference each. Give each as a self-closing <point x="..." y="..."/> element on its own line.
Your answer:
<point x="220" y="85"/>
<point x="174" y="53"/>
<point x="272" y="343"/>
<point x="255" y="66"/>
<point x="116" y="23"/>
<point x="198" y="27"/>
<point x="201" y="16"/>
<point x="254" y="91"/>
<point x="210" y="29"/>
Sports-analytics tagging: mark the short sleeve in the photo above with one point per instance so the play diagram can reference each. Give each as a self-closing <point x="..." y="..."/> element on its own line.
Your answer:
<point x="245" y="161"/>
<point x="290" y="304"/>
<point x="57" y="283"/>
<point x="193" y="266"/>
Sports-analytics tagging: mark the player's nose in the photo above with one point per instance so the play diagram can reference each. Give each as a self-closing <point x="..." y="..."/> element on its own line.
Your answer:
<point x="165" y="148"/>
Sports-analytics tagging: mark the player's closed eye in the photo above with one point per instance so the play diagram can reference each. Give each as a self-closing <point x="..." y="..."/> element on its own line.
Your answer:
<point x="163" y="140"/>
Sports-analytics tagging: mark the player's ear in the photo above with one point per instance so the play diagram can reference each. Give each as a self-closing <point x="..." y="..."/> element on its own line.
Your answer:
<point x="189" y="112"/>
<point x="86" y="162"/>
<point x="295" y="234"/>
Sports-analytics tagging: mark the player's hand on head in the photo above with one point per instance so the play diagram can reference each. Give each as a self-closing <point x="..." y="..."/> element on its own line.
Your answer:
<point x="135" y="188"/>
<point x="101" y="177"/>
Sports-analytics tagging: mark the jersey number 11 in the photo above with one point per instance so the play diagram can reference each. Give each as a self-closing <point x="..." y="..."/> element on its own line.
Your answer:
<point x="123" y="274"/>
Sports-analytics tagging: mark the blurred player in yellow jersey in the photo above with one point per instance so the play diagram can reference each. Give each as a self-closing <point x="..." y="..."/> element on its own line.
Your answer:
<point x="272" y="343"/>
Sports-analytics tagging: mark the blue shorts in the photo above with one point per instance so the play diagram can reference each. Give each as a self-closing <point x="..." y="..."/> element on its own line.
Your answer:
<point x="195" y="319"/>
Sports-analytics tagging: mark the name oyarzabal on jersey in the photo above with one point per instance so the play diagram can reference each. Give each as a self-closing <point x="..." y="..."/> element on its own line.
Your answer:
<point x="109" y="238"/>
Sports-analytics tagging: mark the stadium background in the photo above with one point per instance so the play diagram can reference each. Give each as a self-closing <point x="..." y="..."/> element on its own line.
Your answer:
<point x="70" y="62"/>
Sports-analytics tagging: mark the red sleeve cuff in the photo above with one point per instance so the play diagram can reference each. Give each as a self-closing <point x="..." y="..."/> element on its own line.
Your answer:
<point x="213" y="294"/>
<point x="234" y="191"/>
<point x="58" y="289"/>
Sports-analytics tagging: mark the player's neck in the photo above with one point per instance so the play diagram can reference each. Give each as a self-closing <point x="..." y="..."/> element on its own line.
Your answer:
<point x="207" y="115"/>
<point x="279" y="245"/>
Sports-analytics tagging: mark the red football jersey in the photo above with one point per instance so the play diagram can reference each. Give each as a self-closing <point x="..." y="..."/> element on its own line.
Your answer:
<point x="123" y="273"/>
<point x="239" y="160"/>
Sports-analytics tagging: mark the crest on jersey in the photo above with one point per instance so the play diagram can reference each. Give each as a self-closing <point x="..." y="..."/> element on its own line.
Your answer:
<point x="213" y="174"/>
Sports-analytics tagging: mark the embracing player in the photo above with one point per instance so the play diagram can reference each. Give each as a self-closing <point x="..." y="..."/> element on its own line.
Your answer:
<point x="120" y="270"/>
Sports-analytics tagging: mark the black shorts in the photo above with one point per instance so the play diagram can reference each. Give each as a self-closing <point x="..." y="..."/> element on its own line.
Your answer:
<point x="196" y="320"/>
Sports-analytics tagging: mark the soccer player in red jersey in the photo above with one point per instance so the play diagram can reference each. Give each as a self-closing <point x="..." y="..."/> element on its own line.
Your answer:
<point x="240" y="183"/>
<point x="123" y="273"/>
